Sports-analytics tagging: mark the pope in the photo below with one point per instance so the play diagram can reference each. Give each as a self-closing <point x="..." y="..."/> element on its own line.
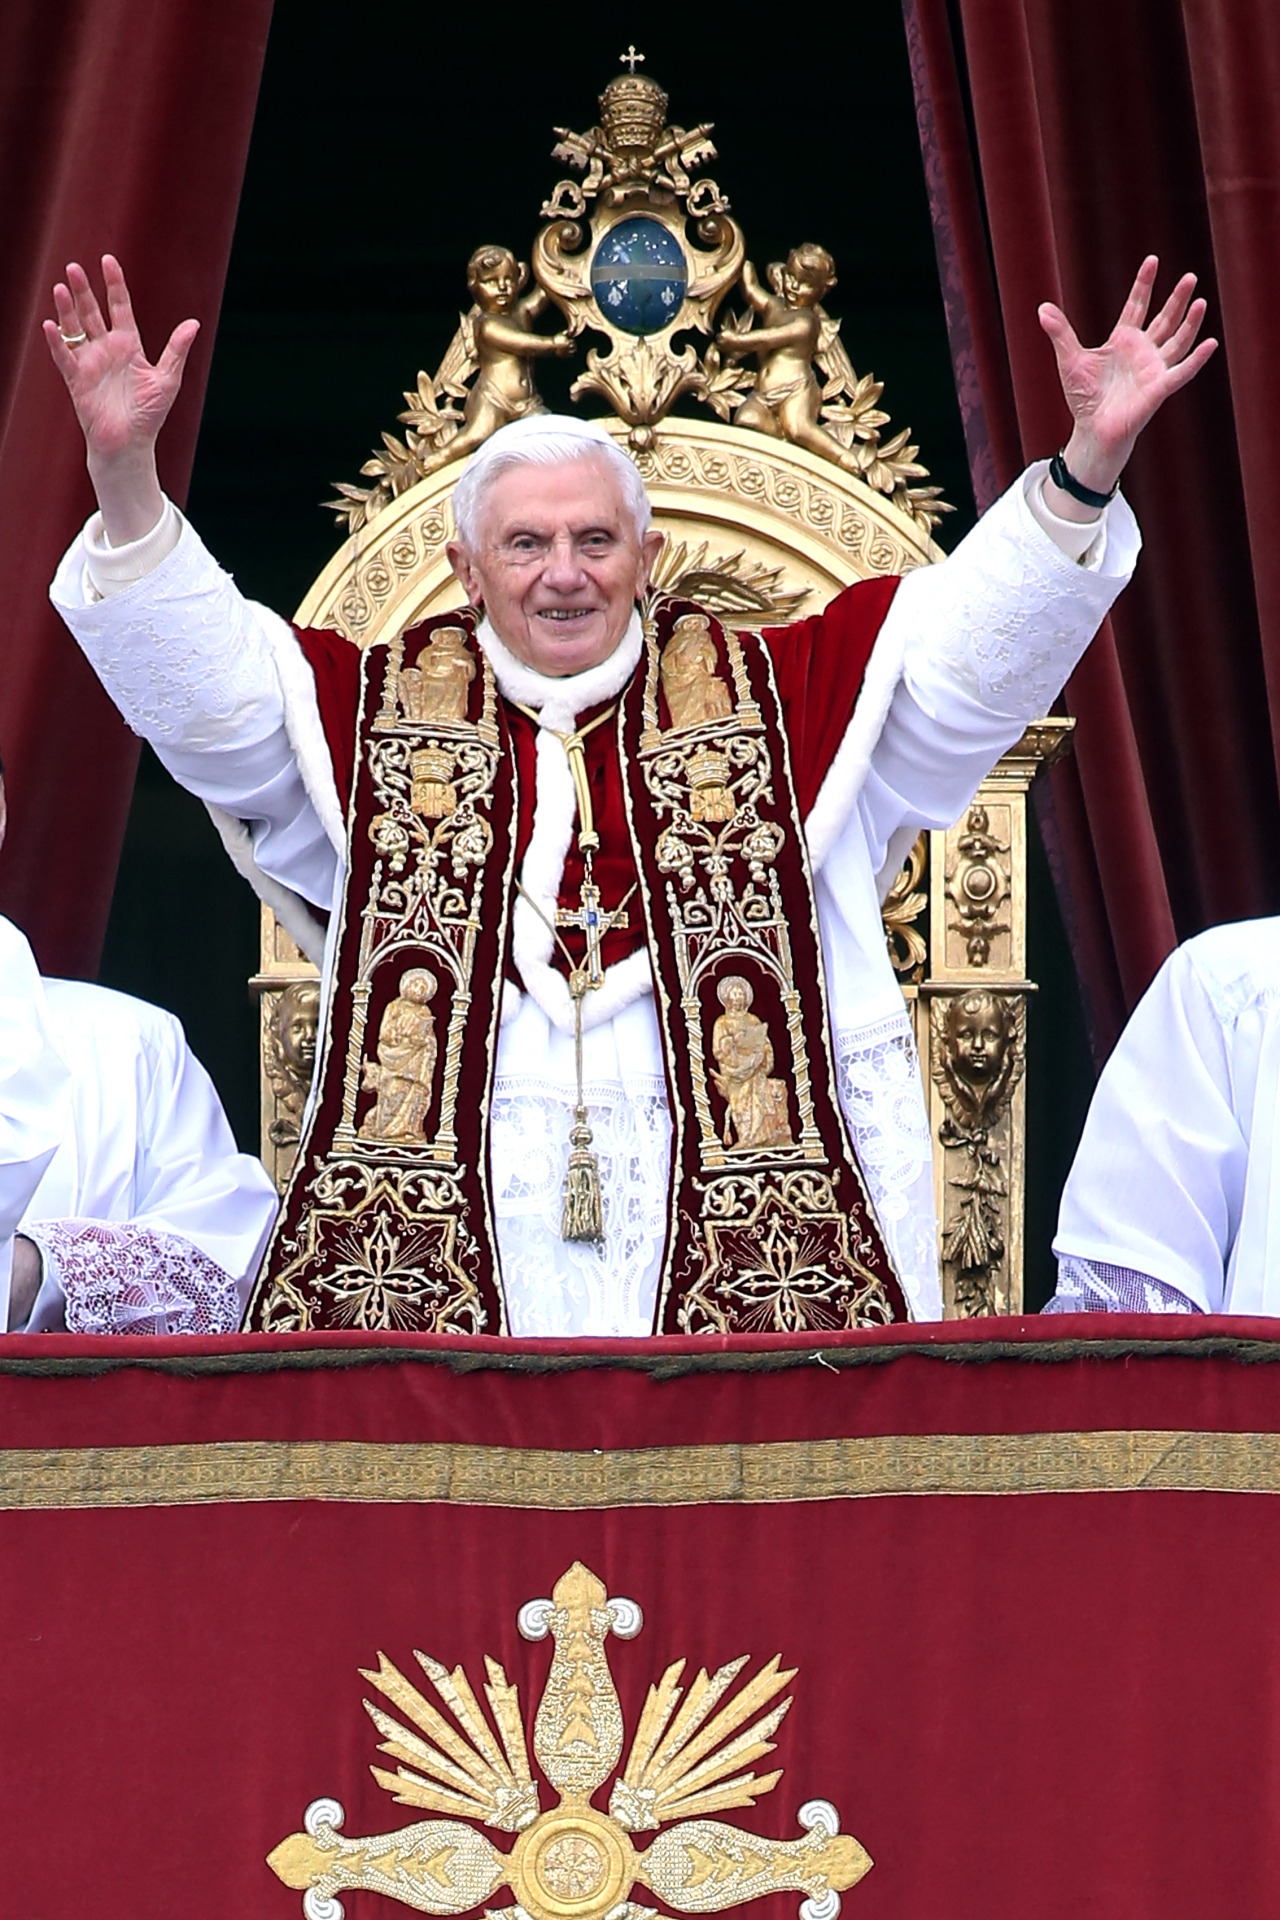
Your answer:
<point x="580" y="864"/>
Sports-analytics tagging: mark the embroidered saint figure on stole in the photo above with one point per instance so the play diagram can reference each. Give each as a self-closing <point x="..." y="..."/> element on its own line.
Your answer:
<point x="403" y="1072"/>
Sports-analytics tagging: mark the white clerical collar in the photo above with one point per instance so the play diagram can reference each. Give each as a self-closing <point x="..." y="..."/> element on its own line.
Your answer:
<point x="559" y="701"/>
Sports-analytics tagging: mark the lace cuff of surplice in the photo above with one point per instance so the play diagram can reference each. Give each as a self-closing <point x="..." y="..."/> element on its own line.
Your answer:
<point x="122" y="1278"/>
<point x="1090" y="1286"/>
<point x="180" y="651"/>
<point x="878" y="1073"/>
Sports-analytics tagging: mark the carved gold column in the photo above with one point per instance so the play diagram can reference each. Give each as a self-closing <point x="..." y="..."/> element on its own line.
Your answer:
<point x="968" y="987"/>
<point x="288" y="992"/>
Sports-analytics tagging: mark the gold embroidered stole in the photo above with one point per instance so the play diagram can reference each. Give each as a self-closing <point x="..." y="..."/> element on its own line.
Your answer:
<point x="770" y="1226"/>
<point x="387" y="1220"/>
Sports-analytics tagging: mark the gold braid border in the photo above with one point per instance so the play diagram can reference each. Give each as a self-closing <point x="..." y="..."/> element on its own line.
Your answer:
<point x="773" y="1472"/>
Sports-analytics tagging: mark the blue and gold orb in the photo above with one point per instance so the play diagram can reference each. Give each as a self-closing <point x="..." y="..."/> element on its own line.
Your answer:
<point x="638" y="276"/>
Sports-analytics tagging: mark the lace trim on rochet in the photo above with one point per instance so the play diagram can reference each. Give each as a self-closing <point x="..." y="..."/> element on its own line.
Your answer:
<point x="1000" y="618"/>
<point x="555" y="1286"/>
<point x="878" y="1077"/>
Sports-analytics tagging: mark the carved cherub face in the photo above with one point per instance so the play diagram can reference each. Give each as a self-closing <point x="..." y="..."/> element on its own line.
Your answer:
<point x="979" y="1037"/>
<point x="809" y="274"/>
<point x="494" y="278"/>
<point x="297" y="1021"/>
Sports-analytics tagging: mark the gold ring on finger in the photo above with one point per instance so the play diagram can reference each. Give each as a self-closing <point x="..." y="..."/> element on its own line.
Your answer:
<point x="73" y="339"/>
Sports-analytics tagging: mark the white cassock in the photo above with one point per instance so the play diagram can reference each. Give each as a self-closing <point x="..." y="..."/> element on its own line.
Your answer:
<point x="1173" y="1199"/>
<point x="970" y="651"/>
<point x="147" y="1217"/>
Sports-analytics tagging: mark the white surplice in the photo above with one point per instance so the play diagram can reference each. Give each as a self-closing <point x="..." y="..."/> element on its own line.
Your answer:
<point x="34" y="1093"/>
<point x="970" y="651"/>
<point x="147" y="1216"/>
<point x="1177" y="1177"/>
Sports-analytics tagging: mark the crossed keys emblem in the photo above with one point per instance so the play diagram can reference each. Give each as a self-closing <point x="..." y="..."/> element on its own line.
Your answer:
<point x="692" y="1755"/>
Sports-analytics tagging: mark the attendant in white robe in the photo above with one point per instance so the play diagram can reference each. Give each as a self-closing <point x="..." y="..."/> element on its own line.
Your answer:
<point x="969" y="653"/>
<point x="147" y="1218"/>
<point x="1173" y="1200"/>
<point x="34" y="1104"/>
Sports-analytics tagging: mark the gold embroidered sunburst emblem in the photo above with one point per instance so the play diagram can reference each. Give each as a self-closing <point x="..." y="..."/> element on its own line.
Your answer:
<point x="690" y="1756"/>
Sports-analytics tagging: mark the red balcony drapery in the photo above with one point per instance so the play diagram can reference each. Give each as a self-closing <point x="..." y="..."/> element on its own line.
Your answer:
<point x="124" y="126"/>
<point x="1028" y="1581"/>
<point x="1061" y="145"/>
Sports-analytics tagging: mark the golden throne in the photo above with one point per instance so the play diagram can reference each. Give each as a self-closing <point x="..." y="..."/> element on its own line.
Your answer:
<point x="783" y="489"/>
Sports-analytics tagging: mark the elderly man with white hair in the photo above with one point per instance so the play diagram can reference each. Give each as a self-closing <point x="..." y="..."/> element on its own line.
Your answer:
<point x="654" y="1072"/>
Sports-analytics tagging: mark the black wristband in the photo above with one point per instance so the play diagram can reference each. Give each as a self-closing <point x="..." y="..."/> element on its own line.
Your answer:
<point x="1061" y="476"/>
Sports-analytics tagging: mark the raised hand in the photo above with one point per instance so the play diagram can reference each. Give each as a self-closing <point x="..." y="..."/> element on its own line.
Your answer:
<point x="1115" y="389"/>
<point x="121" y="399"/>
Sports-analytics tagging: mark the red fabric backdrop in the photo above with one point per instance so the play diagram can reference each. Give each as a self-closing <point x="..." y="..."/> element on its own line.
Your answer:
<point x="124" y="126"/>
<point x="1047" y="1692"/>
<point x="1061" y="144"/>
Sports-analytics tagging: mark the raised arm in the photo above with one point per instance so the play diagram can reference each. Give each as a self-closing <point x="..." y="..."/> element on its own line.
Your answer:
<point x="988" y="638"/>
<point x="211" y="680"/>
<point x="121" y="400"/>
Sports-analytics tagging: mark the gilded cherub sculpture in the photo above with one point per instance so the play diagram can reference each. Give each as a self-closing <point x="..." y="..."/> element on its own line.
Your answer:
<point x="794" y="331"/>
<point x="979" y="1043"/>
<point x="493" y="347"/>
<point x="495" y="343"/>
<point x="403" y="1072"/>
<point x="980" y="1058"/>
<point x="434" y="690"/>
<point x="743" y="1052"/>
<point x="291" y="1056"/>
<point x="695" y="694"/>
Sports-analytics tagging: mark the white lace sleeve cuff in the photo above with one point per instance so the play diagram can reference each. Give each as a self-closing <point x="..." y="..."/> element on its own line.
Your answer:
<point x="110" y="569"/>
<point x="1091" y="1286"/>
<point x="180" y="651"/>
<point x="1072" y="537"/>
<point x="117" y="1277"/>
<point x="1006" y="617"/>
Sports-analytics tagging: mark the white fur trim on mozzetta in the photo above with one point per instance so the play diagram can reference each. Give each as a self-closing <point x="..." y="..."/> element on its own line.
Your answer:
<point x="293" y="913"/>
<point x="561" y="700"/>
<point x="303" y="726"/>
<point x="554" y="812"/>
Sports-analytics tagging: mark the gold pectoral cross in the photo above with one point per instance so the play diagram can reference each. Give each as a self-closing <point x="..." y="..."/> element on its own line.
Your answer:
<point x="593" y="923"/>
<point x="587" y="915"/>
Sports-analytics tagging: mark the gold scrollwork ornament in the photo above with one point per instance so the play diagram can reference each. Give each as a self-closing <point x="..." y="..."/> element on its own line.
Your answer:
<point x="572" y="1861"/>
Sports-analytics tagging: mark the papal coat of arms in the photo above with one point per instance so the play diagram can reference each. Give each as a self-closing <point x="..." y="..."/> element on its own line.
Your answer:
<point x="691" y="1755"/>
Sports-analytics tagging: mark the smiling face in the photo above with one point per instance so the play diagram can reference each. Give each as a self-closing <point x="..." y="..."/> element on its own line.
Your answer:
<point x="557" y="566"/>
<point x="978" y="1037"/>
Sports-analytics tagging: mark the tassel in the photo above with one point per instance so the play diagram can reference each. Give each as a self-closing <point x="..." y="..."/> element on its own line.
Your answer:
<point x="583" y="1215"/>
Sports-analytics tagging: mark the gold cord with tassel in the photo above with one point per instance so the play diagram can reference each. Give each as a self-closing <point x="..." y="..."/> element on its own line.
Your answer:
<point x="582" y="1216"/>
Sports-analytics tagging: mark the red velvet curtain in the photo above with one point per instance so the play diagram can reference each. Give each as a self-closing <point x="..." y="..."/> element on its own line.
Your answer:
<point x="124" y="126"/>
<point x="1061" y="144"/>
